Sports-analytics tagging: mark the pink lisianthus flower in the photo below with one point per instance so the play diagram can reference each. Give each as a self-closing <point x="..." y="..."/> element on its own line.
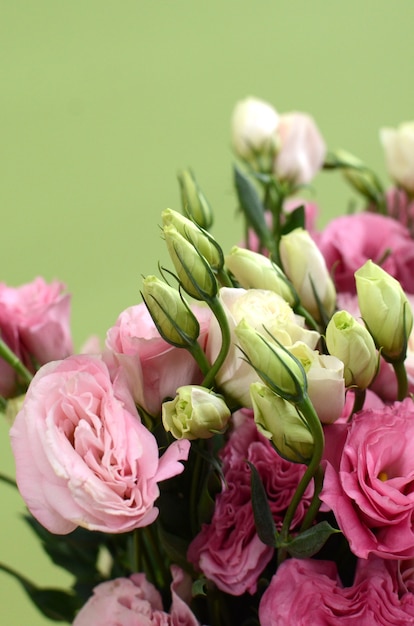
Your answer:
<point x="155" y="368"/>
<point x="34" y="323"/>
<point x="134" y="601"/>
<point x="372" y="492"/>
<point x="82" y="456"/>
<point x="350" y="240"/>
<point x="228" y="550"/>
<point x="304" y="592"/>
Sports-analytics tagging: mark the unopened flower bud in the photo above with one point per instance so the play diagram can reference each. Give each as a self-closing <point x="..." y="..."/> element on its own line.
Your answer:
<point x="175" y="322"/>
<point x="279" y="421"/>
<point x="398" y="144"/>
<point x="385" y="310"/>
<point x="305" y="266"/>
<point x="201" y="240"/>
<point x="350" y="342"/>
<point x="194" y="272"/>
<point x="256" y="271"/>
<point x="360" y="177"/>
<point x="253" y="127"/>
<point x="195" y="413"/>
<point x="193" y="200"/>
<point x="275" y="365"/>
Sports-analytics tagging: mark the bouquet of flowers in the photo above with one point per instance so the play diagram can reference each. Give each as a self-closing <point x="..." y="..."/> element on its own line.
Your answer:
<point x="241" y="451"/>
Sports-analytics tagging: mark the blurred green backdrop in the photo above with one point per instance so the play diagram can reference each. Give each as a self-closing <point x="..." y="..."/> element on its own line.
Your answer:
<point x="102" y="102"/>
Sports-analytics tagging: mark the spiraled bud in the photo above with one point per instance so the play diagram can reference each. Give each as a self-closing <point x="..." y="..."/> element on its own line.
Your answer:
<point x="201" y="240"/>
<point x="385" y="310"/>
<point x="359" y="176"/>
<point x="195" y="413"/>
<point x="174" y="320"/>
<point x="193" y="200"/>
<point x="275" y="365"/>
<point x="280" y="421"/>
<point x="350" y="342"/>
<point x="193" y="270"/>
<point x="256" y="271"/>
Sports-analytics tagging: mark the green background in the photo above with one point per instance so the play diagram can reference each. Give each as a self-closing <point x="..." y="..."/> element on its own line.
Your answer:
<point x="103" y="101"/>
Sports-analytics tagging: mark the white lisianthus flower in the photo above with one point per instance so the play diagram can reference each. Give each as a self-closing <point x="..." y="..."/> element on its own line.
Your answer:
<point x="264" y="311"/>
<point x="253" y="128"/>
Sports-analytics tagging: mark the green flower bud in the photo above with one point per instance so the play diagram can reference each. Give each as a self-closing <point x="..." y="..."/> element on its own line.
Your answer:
<point x="305" y="266"/>
<point x="193" y="200"/>
<point x="281" y="422"/>
<point x="194" y="272"/>
<point x="353" y="345"/>
<point x="256" y="271"/>
<point x="202" y="241"/>
<point x="385" y="310"/>
<point x="195" y="413"/>
<point x="275" y="365"/>
<point x="174" y="320"/>
<point x="359" y="176"/>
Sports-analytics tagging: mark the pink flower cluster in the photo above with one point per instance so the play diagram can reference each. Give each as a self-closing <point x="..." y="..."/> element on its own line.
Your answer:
<point x="228" y="550"/>
<point x="304" y="592"/>
<point x="134" y="601"/>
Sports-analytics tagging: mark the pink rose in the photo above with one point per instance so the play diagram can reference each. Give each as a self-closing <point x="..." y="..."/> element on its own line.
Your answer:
<point x="301" y="148"/>
<point x="372" y="493"/>
<point x="155" y="368"/>
<point x="228" y="550"/>
<point x="310" y="592"/>
<point x="82" y="456"/>
<point x="34" y="323"/>
<point x="134" y="601"/>
<point x="350" y="240"/>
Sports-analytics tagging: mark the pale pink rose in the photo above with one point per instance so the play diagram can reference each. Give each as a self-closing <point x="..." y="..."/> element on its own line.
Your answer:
<point x="228" y="550"/>
<point x="34" y="323"/>
<point x="134" y="601"/>
<point x="82" y="456"/>
<point x="304" y="592"/>
<point x="261" y="309"/>
<point x="350" y="240"/>
<point x="301" y="148"/>
<point x="253" y="128"/>
<point x="372" y="493"/>
<point x="155" y="369"/>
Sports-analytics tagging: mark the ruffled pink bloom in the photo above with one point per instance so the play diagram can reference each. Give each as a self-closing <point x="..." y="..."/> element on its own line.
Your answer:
<point x="372" y="491"/>
<point x="350" y="240"/>
<point x="82" y="456"/>
<point x="305" y="592"/>
<point x="155" y="369"/>
<point x="228" y="550"/>
<point x="134" y="601"/>
<point x="34" y="323"/>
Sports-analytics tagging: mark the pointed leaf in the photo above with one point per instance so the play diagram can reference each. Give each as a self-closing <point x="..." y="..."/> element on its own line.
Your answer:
<point x="263" y="517"/>
<point x="295" y="219"/>
<point x="252" y="207"/>
<point x="308" y="543"/>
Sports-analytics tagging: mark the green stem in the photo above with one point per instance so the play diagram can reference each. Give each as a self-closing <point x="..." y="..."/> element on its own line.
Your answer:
<point x="224" y="279"/>
<point x="359" y="400"/>
<point x="306" y="408"/>
<point x="221" y="317"/>
<point x="8" y="480"/>
<point x="3" y="404"/>
<point x="14" y="361"/>
<point x="315" y="504"/>
<point x="402" y="380"/>
<point x="199" y="356"/>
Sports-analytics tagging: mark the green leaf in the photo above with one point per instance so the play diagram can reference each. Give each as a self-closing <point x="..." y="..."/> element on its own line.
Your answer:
<point x="56" y="604"/>
<point x="263" y="517"/>
<point x="308" y="543"/>
<point x="252" y="207"/>
<point x="295" y="219"/>
<point x="199" y="587"/>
